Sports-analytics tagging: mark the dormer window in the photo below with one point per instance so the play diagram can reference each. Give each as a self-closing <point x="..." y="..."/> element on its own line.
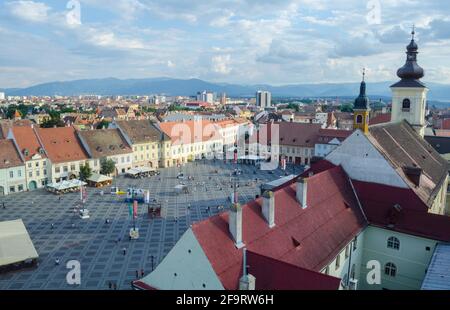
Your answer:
<point x="25" y="152"/>
<point x="406" y="105"/>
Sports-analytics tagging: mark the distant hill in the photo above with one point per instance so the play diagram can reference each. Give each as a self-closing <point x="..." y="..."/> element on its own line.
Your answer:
<point x="189" y="87"/>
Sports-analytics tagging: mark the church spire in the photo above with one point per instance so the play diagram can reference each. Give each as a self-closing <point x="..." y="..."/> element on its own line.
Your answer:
<point x="411" y="70"/>
<point x="361" y="107"/>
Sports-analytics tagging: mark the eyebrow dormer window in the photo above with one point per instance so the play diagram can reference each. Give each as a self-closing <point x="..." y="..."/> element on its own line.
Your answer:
<point x="406" y="105"/>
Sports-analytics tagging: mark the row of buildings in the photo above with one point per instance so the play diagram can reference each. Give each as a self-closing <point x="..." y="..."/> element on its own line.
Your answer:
<point x="32" y="157"/>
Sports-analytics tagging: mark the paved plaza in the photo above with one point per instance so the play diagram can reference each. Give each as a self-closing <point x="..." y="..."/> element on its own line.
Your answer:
<point x="94" y="243"/>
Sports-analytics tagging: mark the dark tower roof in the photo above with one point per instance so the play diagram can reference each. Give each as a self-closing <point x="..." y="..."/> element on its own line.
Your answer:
<point x="362" y="102"/>
<point x="411" y="73"/>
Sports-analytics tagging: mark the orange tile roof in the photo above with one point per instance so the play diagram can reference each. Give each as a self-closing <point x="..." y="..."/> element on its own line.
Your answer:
<point x="62" y="144"/>
<point x="190" y="131"/>
<point x="26" y="139"/>
<point x="9" y="157"/>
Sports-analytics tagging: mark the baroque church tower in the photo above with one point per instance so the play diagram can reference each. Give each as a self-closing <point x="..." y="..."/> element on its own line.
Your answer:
<point x="409" y="95"/>
<point x="361" y="109"/>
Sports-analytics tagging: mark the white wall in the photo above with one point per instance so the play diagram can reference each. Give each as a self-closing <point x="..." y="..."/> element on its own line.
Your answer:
<point x="193" y="269"/>
<point x="411" y="259"/>
<point x="362" y="161"/>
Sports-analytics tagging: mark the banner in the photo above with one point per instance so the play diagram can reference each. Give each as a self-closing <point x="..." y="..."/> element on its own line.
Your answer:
<point x="135" y="208"/>
<point x="130" y="210"/>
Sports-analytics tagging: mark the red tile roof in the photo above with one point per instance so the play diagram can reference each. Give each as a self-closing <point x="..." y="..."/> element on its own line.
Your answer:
<point x="380" y="118"/>
<point x="330" y="221"/>
<point x="326" y="135"/>
<point x="413" y="218"/>
<point x="272" y="274"/>
<point x="9" y="156"/>
<point x="62" y="144"/>
<point x="26" y="139"/>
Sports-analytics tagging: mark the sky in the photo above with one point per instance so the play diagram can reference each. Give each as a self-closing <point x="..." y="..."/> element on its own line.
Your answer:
<point x="234" y="41"/>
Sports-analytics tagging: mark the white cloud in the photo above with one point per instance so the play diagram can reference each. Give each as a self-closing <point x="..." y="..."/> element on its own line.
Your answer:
<point x="29" y="10"/>
<point x="221" y="64"/>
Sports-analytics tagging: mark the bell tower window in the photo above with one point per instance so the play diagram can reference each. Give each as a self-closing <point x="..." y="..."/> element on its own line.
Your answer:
<point x="406" y="105"/>
<point x="359" y="119"/>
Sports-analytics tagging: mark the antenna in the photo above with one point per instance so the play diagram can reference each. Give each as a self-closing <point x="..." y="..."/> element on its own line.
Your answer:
<point x="364" y="74"/>
<point x="413" y="32"/>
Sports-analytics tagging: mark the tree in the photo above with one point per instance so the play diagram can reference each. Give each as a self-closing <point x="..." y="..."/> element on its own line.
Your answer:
<point x="346" y="108"/>
<point x="108" y="166"/>
<point x="85" y="172"/>
<point x="54" y="120"/>
<point x="103" y="124"/>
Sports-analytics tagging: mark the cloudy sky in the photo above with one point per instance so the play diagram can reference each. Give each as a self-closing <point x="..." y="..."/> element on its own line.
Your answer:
<point x="236" y="41"/>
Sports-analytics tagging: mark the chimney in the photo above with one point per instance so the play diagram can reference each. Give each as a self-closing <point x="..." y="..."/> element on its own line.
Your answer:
<point x="247" y="281"/>
<point x="302" y="189"/>
<point x="268" y="208"/>
<point x="235" y="224"/>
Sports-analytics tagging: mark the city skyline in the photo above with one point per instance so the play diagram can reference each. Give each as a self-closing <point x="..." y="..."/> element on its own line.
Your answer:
<point x="273" y="42"/>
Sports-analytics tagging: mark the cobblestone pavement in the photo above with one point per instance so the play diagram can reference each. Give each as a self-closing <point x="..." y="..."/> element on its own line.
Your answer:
<point x="94" y="243"/>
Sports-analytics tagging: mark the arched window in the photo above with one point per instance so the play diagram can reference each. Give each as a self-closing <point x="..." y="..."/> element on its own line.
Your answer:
<point x="390" y="269"/>
<point x="393" y="243"/>
<point x="406" y="105"/>
<point x="359" y="119"/>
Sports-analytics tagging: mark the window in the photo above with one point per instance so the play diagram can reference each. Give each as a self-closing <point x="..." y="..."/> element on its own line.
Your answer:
<point x="338" y="261"/>
<point x="393" y="243"/>
<point x="406" y="105"/>
<point x="45" y="172"/>
<point x="20" y="188"/>
<point x="355" y="242"/>
<point x="29" y="165"/>
<point x="347" y="251"/>
<point x="65" y="169"/>
<point x="19" y="173"/>
<point x="72" y="167"/>
<point x="57" y="169"/>
<point x="38" y="173"/>
<point x="12" y="189"/>
<point x="390" y="269"/>
<point x="37" y="164"/>
<point x="359" y="119"/>
<point x="30" y="174"/>
<point x="11" y="174"/>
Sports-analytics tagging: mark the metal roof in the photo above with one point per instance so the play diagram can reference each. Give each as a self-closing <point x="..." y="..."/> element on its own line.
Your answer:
<point x="438" y="273"/>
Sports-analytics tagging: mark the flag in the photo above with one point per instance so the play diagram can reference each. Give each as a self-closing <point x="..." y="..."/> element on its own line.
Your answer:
<point x="130" y="210"/>
<point x="135" y="208"/>
<point x="235" y="156"/>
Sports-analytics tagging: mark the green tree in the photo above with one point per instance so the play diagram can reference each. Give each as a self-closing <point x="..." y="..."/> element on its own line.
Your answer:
<point x="54" y="120"/>
<point x="347" y="108"/>
<point x="108" y="166"/>
<point x="85" y="172"/>
<point x="103" y="124"/>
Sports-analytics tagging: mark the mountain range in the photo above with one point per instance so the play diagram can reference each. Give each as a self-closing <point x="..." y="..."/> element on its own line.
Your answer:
<point x="189" y="87"/>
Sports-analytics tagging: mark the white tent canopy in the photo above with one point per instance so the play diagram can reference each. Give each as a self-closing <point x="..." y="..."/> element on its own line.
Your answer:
<point x="64" y="185"/>
<point x="15" y="243"/>
<point x="99" y="178"/>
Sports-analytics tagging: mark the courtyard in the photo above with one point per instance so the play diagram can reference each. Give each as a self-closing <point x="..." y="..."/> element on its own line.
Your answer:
<point x="59" y="234"/>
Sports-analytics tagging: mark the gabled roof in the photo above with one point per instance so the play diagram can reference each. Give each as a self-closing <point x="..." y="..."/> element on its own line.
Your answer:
<point x="187" y="132"/>
<point x="411" y="218"/>
<point x="61" y="144"/>
<point x="400" y="144"/>
<point x="9" y="156"/>
<point x="27" y="140"/>
<point x="141" y="131"/>
<point x="272" y="274"/>
<point x="307" y="238"/>
<point x="105" y="142"/>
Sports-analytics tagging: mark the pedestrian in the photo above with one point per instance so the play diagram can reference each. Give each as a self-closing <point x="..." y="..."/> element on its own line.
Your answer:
<point x="110" y="285"/>
<point x="115" y="286"/>
<point x="57" y="261"/>
<point x="137" y="274"/>
<point x="124" y="251"/>
<point x="52" y="225"/>
<point x="4" y="206"/>
<point x="142" y="272"/>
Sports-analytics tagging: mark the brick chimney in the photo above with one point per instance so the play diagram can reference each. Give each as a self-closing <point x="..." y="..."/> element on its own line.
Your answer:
<point x="268" y="208"/>
<point x="301" y="191"/>
<point x="235" y="224"/>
